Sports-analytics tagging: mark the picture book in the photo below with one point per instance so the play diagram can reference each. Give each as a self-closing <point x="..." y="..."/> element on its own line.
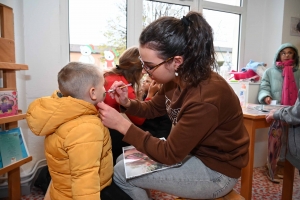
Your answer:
<point x="8" y="103"/>
<point x="12" y="146"/>
<point x="137" y="163"/>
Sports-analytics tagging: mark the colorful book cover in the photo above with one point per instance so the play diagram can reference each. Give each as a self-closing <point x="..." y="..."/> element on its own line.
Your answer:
<point x="12" y="141"/>
<point x="137" y="163"/>
<point x="8" y="103"/>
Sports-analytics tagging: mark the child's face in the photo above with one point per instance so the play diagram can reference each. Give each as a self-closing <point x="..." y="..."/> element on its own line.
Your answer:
<point x="146" y="83"/>
<point x="287" y="54"/>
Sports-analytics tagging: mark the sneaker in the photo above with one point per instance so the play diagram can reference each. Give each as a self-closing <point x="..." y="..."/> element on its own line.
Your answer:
<point x="276" y="178"/>
<point x="280" y="169"/>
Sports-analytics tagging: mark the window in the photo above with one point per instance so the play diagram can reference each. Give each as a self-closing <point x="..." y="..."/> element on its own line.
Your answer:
<point x="226" y="28"/>
<point x="152" y="10"/>
<point x="100" y="31"/>
<point x="227" y="2"/>
<point x="97" y="31"/>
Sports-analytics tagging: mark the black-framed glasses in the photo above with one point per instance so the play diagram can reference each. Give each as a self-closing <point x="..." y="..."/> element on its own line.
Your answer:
<point x="148" y="69"/>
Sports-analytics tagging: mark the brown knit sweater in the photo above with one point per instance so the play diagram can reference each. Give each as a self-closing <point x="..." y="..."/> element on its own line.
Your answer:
<point x="208" y="123"/>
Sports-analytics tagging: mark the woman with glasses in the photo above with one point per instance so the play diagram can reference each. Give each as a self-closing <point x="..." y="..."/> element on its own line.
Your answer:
<point x="208" y="135"/>
<point x="280" y="84"/>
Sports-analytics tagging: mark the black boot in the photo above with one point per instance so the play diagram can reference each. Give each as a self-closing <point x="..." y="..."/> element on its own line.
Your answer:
<point x="113" y="192"/>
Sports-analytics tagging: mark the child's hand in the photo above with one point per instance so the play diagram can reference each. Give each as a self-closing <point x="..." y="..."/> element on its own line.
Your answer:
<point x="153" y="89"/>
<point x="268" y="100"/>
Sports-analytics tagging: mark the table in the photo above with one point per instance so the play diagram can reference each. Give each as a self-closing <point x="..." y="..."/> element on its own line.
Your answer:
<point x="253" y="119"/>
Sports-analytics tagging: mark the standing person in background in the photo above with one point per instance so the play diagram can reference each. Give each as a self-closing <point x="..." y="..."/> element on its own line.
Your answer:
<point x="281" y="83"/>
<point x="208" y="136"/>
<point x="159" y="127"/>
<point x="290" y="115"/>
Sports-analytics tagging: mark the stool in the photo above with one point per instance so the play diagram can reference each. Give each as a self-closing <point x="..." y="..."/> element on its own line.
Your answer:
<point x="232" y="195"/>
<point x="288" y="180"/>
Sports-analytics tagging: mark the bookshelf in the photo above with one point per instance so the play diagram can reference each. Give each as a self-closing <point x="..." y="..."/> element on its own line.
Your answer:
<point x="9" y="68"/>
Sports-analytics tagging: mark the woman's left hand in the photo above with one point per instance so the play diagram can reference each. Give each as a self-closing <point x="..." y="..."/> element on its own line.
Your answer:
<point x="111" y="118"/>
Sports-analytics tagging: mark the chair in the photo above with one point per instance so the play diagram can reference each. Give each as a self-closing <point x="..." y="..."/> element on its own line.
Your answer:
<point x="288" y="180"/>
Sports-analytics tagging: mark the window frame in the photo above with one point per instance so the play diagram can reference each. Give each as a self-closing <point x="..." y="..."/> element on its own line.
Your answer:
<point x="134" y="20"/>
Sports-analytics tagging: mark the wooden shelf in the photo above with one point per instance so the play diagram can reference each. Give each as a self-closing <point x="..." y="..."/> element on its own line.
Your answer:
<point x="13" y="66"/>
<point x="17" y="164"/>
<point x="12" y="118"/>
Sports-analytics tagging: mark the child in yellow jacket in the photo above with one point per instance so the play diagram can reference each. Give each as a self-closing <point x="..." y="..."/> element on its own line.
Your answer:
<point x="77" y="144"/>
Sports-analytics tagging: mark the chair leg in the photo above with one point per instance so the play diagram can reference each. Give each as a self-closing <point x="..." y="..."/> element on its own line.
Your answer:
<point x="288" y="181"/>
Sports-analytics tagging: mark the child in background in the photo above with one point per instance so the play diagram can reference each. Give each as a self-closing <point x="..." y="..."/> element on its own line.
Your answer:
<point x="129" y="70"/>
<point x="281" y="83"/>
<point x="77" y="144"/>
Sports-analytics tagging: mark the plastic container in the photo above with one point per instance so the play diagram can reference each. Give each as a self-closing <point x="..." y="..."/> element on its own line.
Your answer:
<point x="243" y="95"/>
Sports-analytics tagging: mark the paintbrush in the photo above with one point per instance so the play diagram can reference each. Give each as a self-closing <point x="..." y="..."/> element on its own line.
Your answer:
<point x="111" y="90"/>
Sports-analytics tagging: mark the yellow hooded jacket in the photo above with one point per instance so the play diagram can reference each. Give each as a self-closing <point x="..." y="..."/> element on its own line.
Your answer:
<point x="77" y="146"/>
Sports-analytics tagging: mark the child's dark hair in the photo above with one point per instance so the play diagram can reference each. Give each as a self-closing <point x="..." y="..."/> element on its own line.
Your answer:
<point x="190" y="37"/>
<point x="130" y="67"/>
<point x="76" y="77"/>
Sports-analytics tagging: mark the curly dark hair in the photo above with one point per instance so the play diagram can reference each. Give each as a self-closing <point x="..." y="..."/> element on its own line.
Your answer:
<point x="190" y="37"/>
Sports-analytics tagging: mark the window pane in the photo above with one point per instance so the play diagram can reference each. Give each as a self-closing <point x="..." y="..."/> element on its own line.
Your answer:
<point x="96" y="35"/>
<point x="153" y="10"/>
<point x="226" y="27"/>
<point x="227" y="2"/>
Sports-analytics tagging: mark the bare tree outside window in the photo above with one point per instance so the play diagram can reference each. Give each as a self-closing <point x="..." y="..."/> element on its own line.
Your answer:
<point x="154" y="10"/>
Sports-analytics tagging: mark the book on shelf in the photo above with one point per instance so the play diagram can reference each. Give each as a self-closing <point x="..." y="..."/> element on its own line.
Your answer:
<point x="8" y="103"/>
<point x="137" y="163"/>
<point x="12" y="146"/>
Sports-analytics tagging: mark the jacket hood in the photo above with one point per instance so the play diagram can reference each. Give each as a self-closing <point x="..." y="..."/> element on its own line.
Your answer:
<point x="46" y="114"/>
<point x="286" y="45"/>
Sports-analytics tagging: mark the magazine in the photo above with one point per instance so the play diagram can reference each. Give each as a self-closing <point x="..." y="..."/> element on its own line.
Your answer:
<point x="137" y="163"/>
<point x="12" y="146"/>
<point x="8" y="103"/>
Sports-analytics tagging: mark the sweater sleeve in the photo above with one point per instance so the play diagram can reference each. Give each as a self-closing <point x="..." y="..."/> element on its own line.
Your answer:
<point x="289" y="114"/>
<point x="85" y="164"/>
<point x="265" y="87"/>
<point x="182" y="138"/>
<point x="134" y="119"/>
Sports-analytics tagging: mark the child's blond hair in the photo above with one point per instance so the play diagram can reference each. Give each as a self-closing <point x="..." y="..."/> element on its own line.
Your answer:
<point x="76" y="78"/>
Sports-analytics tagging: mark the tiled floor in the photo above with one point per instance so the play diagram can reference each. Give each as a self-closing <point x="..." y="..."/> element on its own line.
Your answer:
<point x="263" y="189"/>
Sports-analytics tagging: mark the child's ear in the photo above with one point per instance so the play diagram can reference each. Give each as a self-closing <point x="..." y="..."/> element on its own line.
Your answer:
<point x="92" y="93"/>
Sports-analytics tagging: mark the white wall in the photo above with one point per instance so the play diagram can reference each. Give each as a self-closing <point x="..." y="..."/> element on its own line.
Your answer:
<point x="264" y="30"/>
<point x="291" y="9"/>
<point x="42" y="43"/>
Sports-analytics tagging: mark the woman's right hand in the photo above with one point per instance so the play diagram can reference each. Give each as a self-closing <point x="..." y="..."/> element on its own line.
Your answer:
<point x="120" y="94"/>
<point x="268" y="100"/>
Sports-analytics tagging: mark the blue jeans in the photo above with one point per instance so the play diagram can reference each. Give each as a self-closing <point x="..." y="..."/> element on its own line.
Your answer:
<point x="191" y="180"/>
